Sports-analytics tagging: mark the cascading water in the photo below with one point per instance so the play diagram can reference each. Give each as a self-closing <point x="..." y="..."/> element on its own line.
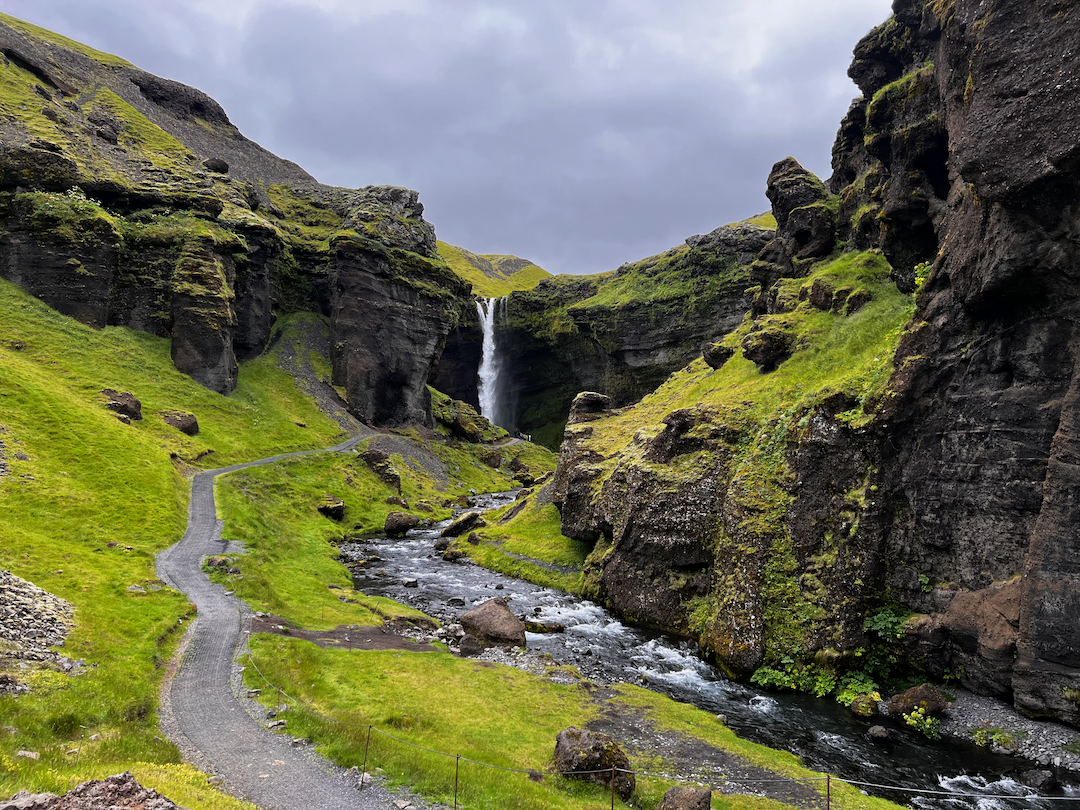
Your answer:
<point x="488" y="384"/>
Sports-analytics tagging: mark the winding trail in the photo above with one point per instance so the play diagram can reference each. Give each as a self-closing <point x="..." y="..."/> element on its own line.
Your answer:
<point x="200" y="712"/>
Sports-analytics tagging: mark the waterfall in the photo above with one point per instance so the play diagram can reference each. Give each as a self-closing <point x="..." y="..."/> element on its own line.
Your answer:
<point x="488" y="386"/>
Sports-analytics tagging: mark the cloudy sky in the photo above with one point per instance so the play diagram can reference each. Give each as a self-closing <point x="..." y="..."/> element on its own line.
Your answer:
<point x="577" y="133"/>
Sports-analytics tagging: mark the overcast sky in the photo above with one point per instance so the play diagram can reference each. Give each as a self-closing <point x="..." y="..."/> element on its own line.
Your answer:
<point x="577" y="133"/>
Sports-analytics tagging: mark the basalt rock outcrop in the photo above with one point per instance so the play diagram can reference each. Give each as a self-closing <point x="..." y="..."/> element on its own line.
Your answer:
<point x="131" y="200"/>
<point x="787" y="531"/>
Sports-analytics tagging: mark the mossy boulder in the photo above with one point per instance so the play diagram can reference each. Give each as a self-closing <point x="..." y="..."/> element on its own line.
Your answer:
<point x="595" y="757"/>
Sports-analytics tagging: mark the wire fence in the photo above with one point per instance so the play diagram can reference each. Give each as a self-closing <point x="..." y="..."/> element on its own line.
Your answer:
<point x="614" y="771"/>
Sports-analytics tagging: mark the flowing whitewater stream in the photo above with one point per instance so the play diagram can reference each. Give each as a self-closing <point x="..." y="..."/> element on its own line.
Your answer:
<point x="825" y="735"/>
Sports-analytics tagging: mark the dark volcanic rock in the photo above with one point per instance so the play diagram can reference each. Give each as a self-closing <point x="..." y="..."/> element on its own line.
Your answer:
<point x="595" y="757"/>
<point x="925" y="696"/>
<point x="588" y="405"/>
<point x="184" y="422"/>
<point x="124" y="403"/>
<point x="332" y="507"/>
<point x="464" y="523"/>
<point x="493" y="624"/>
<point x="716" y="354"/>
<point x="387" y="330"/>
<point x="397" y="523"/>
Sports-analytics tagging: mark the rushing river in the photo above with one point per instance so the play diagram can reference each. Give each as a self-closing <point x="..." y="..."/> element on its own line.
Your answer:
<point x="825" y="735"/>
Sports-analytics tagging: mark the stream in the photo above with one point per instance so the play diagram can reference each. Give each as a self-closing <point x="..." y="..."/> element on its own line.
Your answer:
<point x="826" y="736"/>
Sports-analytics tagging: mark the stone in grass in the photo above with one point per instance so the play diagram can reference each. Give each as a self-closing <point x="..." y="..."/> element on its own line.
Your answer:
<point x="592" y="756"/>
<point x="686" y="799"/>
<point x="332" y="507"/>
<point x="716" y="354"/>
<point x="123" y="403"/>
<point x="186" y="423"/>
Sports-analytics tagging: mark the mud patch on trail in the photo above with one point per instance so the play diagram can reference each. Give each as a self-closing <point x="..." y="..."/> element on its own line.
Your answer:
<point x="345" y="637"/>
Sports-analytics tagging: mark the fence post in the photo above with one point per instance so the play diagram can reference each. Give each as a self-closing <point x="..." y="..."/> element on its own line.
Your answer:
<point x="457" y="771"/>
<point x="612" y="787"/>
<point x="828" y="791"/>
<point x="363" y="772"/>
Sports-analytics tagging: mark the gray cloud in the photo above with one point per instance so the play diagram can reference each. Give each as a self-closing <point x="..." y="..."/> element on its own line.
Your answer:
<point x="579" y="135"/>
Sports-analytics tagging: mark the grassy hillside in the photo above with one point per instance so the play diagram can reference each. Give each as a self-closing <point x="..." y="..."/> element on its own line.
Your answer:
<point x="492" y="276"/>
<point x="86" y="504"/>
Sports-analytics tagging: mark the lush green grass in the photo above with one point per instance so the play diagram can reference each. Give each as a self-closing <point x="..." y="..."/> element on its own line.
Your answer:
<point x="491" y="276"/>
<point x="498" y="715"/>
<point x="766" y="220"/>
<point x="290" y="560"/>
<point x="534" y="532"/>
<point x="88" y="480"/>
<point x="34" y="32"/>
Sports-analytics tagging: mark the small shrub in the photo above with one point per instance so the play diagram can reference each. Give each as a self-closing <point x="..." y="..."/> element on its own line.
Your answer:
<point x="929" y="727"/>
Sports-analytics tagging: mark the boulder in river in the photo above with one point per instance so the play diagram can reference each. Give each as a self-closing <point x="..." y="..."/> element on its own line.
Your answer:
<point x="494" y="625"/>
<point x="465" y="523"/>
<point x="397" y="523"/>
<point x="592" y="755"/>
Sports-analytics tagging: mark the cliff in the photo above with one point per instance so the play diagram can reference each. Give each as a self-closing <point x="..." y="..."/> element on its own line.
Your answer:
<point x="127" y="199"/>
<point x="621" y="333"/>
<point x="845" y="470"/>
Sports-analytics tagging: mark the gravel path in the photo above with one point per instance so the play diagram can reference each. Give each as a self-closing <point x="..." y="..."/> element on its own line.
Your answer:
<point x="200" y="711"/>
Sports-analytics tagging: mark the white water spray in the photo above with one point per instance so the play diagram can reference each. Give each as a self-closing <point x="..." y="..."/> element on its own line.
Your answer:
<point x="488" y="387"/>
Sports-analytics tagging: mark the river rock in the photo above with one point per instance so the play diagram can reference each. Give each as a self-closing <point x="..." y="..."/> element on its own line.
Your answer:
<point x="1041" y="780"/>
<point x="470" y="646"/>
<point x="686" y="799"/>
<point x="864" y="706"/>
<point x="464" y="523"/>
<point x="534" y="626"/>
<point x="442" y="544"/>
<point x="879" y="735"/>
<point x="123" y="403"/>
<point x="397" y="523"/>
<point x="494" y="624"/>
<point x="925" y="696"/>
<point x="591" y="755"/>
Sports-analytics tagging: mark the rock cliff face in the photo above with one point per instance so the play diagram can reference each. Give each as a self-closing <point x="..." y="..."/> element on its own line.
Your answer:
<point x="945" y="486"/>
<point x="131" y="200"/>
<point x="620" y="333"/>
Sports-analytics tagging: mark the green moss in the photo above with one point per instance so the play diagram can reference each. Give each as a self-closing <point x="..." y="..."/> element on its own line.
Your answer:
<point x="141" y="134"/>
<point x="71" y="216"/>
<point x="765" y="220"/>
<point x="34" y="32"/>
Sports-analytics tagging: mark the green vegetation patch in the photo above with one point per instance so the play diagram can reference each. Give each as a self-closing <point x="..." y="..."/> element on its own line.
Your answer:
<point x="52" y="38"/>
<point x="530" y="545"/>
<point x="89" y="501"/>
<point x="492" y="276"/>
<point x="290" y="566"/>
